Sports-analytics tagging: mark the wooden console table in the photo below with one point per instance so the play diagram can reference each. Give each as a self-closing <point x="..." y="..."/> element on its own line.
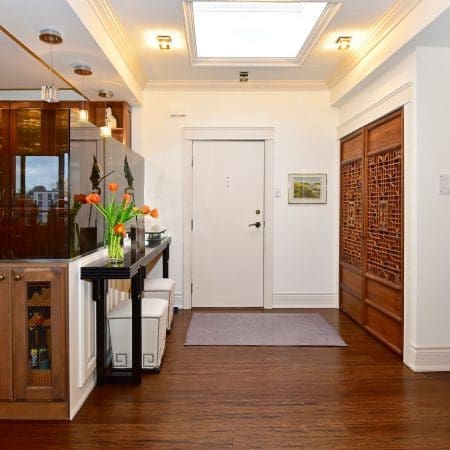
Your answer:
<point x="134" y="269"/>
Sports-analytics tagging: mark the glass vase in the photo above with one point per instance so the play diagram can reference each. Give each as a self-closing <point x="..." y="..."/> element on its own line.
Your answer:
<point x="115" y="247"/>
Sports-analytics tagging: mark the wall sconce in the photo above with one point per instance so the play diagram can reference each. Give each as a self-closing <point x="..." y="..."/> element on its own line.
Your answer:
<point x="343" y="42"/>
<point x="49" y="92"/>
<point x="164" y="42"/>
<point x="83" y="71"/>
<point x="105" y="130"/>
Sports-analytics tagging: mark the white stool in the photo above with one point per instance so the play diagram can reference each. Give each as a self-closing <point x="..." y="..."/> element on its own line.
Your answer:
<point x="154" y="321"/>
<point x="161" y="288"/>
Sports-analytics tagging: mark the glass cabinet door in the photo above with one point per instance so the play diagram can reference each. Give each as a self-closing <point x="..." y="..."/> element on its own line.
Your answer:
<point x="39" y="327"/>
<point x="40" y="159"/>
<point x="4" y="154"/>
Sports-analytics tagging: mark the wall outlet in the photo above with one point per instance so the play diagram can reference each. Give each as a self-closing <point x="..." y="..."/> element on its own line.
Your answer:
<point x="444" y="188"/>
<point x="277" y="193"/>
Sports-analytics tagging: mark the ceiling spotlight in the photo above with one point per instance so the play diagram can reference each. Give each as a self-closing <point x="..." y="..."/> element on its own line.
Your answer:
<point x="164" y="42"/>
<point x="343" y="42"/>
<point x="49" y="92"/>
<point x="243" y="77"/>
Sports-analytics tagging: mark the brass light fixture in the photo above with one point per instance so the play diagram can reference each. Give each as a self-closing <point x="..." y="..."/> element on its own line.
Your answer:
<point x="343" y="42"/>
<point x="105" y="130"/>
<point x="49" y="92"/>
<point x="164" y="42"/>
<point x="83" y="71"/>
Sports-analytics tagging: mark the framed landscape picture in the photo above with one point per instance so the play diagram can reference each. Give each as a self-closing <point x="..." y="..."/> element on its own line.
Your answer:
<point x="307" y="187"/>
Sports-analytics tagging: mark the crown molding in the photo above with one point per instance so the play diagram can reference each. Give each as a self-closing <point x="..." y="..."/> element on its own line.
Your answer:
<point x="381" y="29"/>
<point x="316" y="33"/>
<point x="103" y="24"/>
<point x="232" y="85"/>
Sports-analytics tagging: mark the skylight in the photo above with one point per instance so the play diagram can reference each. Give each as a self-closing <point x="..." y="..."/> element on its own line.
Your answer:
<point x="253" y="29"/>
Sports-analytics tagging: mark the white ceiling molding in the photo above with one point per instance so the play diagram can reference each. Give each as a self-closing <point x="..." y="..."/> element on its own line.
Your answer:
<point x="412" y="23"/>
<point x="381" y="29"/>
<point x="308" y="46"/>
<point x="232" y="85"/>
<point x="103" y="24"/>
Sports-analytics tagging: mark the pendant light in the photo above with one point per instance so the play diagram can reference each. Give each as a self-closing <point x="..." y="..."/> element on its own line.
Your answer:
<point x="49" y="92"/>
<point x="83" y="71"/>
<point x="105" y="130"/>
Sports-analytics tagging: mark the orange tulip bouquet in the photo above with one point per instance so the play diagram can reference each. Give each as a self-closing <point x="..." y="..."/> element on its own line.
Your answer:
<point x="116" y="214"/>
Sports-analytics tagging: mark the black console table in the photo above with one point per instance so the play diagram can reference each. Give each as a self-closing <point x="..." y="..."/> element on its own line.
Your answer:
<point x="134" y="269"/>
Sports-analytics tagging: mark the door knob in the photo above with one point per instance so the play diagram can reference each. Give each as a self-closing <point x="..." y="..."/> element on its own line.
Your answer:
<point x="256" y="224"/>
<point x="2" y="277"/>
<point x="18" y="277"/>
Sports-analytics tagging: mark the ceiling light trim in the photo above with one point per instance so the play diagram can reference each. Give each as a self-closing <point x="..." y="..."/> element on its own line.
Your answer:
<point x="105" y="27"/>
<point x="316" y="33"/>
<point x="235" y="85"/>
<point x="388" y="22"/>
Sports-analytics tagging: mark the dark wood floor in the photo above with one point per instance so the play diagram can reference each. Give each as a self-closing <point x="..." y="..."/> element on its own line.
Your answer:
<point x="360" y="396"/>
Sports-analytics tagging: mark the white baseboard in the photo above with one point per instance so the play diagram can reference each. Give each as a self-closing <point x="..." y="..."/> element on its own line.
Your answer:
<point x="88" y="388"/>
<point x="305" y="301"/>
<point x="290" y="301"/>
<point x="178" y="300"/>
<point x="428" y="359"/>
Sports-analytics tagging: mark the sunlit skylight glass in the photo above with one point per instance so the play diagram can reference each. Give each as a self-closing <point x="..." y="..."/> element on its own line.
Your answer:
<point x="253" y="29"/>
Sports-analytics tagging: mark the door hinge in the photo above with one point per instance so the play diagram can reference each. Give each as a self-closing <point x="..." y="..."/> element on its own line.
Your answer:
<point x="192" y="224"/>
<point x="192" y="161"/>
<point x="192" y="288"/>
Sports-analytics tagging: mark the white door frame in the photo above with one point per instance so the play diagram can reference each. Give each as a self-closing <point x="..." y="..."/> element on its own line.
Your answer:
<point x="227" y="134"/>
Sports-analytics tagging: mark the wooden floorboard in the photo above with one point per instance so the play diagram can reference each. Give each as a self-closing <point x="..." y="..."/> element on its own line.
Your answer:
<point x="357" y="397"/>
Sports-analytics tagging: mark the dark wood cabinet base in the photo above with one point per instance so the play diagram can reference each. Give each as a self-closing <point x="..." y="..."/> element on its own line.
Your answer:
<point x="34" y="410"/>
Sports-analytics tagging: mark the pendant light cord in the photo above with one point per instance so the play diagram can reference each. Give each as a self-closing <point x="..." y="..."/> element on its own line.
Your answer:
<point x="51" y="63"/>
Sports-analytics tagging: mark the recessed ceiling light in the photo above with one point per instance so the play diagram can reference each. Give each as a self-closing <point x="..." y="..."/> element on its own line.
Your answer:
<point x="164" y="42"/>
<point x="343" y="42"/>
<point x="254" y="29"/>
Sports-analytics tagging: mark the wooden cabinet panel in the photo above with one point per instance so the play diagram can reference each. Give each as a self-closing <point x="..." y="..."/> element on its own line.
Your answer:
<point x="351" y="226"/>
<point x="351" y="305"/>
<point x="389" y="331"/>
<point x="385" y="133"/>
<point x="121" y="112"/>
<point x="371" y="230"/>
<point x="352" y="147"/>
<point x="6" y="385"/>
<point x="40" y="334"/>
<point x="385" y="297"/>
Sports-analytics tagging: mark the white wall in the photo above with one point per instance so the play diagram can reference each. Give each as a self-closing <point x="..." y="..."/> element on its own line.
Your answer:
<point x="433" y="140"/>
<point x="305" y="236"/>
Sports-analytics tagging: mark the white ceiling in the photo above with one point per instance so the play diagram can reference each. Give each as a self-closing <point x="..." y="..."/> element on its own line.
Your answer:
<point x="25" y="18"/>
<point x="355" y="17"/>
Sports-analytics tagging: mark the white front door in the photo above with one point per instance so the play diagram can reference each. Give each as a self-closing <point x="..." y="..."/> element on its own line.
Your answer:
<point x="228" y="196"/>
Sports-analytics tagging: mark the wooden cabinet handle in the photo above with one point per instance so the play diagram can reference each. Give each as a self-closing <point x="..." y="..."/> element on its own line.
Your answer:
<point x="2" y="277"/>
<point x="17" y="277"/>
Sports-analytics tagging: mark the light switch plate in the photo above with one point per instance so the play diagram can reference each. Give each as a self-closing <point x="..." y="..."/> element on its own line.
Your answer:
<point x="277" y="193"/>
<point x="444" y="188"/>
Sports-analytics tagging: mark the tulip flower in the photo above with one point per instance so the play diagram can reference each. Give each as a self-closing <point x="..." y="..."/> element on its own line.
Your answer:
<point x="154" y="213"/>
<point x="113" y="187"/>
<point x="93" y="199"/>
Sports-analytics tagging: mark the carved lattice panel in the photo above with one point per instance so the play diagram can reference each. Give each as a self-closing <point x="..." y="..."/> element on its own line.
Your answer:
<point x="352" y="213"/>
<point x="384" y="215"/>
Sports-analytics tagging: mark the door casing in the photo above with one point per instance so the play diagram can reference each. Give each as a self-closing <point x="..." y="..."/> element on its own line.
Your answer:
<point x="192" y="134"/>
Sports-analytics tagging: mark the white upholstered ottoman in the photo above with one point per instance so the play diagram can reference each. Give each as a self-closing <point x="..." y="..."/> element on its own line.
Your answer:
<point x="161" y="288"/>
<point x="154" y="322"/>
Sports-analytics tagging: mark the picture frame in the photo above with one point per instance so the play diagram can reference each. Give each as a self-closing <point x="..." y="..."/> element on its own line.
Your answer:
<point x="307" y="188"/>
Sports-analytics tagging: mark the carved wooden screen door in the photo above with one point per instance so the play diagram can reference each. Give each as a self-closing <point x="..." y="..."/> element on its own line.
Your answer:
<point x="371" y="229"/>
